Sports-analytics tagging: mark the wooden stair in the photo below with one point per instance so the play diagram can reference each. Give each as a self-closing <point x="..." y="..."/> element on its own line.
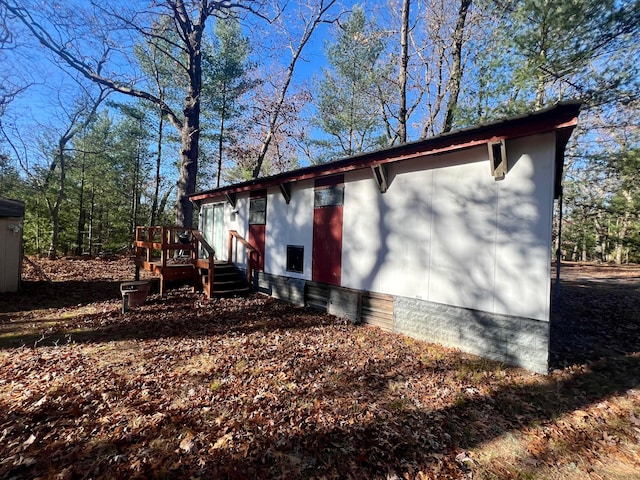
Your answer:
<point x="227" y="281"/>
<point x="181" y="255"/>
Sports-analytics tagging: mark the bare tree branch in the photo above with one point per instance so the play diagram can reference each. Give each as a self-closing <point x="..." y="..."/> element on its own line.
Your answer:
<point x="318" y="17"/>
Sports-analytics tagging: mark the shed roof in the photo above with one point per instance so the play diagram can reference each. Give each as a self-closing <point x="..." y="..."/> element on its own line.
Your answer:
<point x="11" y="208"/>
<point x="561" y="117"/>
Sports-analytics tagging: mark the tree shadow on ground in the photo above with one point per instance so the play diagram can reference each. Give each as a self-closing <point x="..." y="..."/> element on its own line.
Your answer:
<point x="594" y="319"/>
<point x="381" y="433"/>
<point x="401" y="437"/>
<point x="46" y="295"/>
<point x="380" y="437"/>
<point x="181" y="314"/>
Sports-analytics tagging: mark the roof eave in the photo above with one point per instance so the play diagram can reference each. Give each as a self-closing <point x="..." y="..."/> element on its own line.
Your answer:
<point x="10" y="208"/>
<point x="562" y="117"/>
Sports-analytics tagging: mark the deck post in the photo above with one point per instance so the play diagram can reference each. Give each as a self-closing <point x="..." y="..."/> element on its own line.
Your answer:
<point x="164" y="240"/>
<point x="212" y="267"/>
<point x="250" y="262"/>
<point x="150" y="239"/>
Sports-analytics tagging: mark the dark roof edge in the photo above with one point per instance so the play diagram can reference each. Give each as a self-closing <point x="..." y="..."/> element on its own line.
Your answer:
<point x="561" y="116"/>
<point x="10" y="208"/>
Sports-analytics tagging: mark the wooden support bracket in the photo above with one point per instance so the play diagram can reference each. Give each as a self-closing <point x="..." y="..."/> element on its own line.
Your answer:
<point x="231" y="198"/>
<point x="285" y="189"/>
<point x="380" y="176"/>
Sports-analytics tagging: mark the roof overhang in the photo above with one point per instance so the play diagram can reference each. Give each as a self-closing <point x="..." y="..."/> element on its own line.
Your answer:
<point x="561" y="118"/>
<point x="11" y="208"/>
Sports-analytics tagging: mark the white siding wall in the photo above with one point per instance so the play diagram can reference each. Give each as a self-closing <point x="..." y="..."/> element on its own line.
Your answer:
<point x="289" y="225"/>
<point x="286" y="225"/>
<point x="452" y="234"/>
<point x="449" y="234"/>
<point x="525" y="211"/>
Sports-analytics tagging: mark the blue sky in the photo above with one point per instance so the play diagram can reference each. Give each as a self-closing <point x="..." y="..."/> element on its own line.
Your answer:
<point x="42" y="106"/>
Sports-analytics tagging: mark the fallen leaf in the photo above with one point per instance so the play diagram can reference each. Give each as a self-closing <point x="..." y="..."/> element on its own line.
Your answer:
<point x="223" y="441"/>
<point x="187" y="444"/>
<point x="29" y="440"/>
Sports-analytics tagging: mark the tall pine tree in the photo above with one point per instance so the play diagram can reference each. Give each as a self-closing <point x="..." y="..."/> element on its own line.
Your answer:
<point x="349" y="112"/>
<point x="226" y="69"/>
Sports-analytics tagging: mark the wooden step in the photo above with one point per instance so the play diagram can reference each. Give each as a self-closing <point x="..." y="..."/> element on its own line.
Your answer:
<point x="227" y="281"/>
<point x="233" y="292"/>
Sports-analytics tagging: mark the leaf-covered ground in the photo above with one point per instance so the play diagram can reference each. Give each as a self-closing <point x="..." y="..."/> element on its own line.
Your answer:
<point x="183" y="387"/>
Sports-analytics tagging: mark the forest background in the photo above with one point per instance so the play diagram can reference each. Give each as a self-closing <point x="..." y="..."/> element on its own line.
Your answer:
<point x="110" y="115"/>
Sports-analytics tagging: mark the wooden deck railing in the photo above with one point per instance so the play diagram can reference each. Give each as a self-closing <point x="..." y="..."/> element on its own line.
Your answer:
<point x="158" y="244"/>
<point x="252" y="254"/>
<point x="155" y="247"/>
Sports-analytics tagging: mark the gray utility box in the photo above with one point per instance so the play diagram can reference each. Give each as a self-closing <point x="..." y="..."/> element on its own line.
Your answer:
<point x="134" y="293"/>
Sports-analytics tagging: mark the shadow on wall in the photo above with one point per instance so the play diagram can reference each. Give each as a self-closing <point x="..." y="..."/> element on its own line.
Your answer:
<point x="463" y="242"/>
<point x="435" y="229"/>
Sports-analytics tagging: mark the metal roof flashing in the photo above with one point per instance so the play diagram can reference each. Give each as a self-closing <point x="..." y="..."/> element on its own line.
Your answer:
<point x="561" y="118"/>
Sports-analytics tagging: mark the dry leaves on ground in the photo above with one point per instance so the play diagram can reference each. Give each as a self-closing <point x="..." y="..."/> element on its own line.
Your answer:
<point x="183" y="387"/>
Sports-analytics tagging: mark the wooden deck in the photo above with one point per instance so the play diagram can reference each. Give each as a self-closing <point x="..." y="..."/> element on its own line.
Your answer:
<point x="182" y="255"/>
<point x="174" y="254"/>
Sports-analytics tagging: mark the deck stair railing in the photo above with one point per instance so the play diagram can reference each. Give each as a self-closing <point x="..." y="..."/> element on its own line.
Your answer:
<point x="206" y="266"/>
<point x="235" y="239"/>
<point x="183" y="254"/>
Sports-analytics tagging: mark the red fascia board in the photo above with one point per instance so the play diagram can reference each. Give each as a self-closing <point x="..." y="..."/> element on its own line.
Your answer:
<point x="563" y="116"/>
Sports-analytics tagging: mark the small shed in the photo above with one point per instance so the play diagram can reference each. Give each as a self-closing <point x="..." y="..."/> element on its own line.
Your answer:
<point x="11" y="222"/>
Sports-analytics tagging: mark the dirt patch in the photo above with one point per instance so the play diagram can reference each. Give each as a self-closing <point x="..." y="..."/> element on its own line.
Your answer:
<point x="578" y="272"/>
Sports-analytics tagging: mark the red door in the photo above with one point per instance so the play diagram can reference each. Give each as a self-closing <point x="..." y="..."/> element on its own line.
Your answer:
<point x="258" y="224"/>
<point x="327" y="231"/>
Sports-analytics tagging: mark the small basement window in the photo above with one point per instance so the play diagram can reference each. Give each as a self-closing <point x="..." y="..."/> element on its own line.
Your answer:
<point x="295" y="258"/>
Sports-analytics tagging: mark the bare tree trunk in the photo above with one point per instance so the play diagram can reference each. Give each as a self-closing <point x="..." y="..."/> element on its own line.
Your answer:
<point x="542" y="57"/>
<point x="455" y="79"/>
<point x="75" y="126"/>
<point x="190" y="132"/>
<point x="92" y="212"/>
<point x="156" y="189"/>
<point x="82" y="215"/>
<point x="190" y="136"/>
<point x="601" y="244"/>
<point x="38" y="250"/>
<point x="220" y="141"/>
<point x="135" y="191"/>
<point x="404" y="62"/>
<point x="622" y="232"/>
<point x="54" y="207"/>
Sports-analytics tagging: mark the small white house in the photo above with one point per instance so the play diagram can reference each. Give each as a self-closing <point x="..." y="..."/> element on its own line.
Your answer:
<point x="446" y="239"/>
<point x="11" y="220"/>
